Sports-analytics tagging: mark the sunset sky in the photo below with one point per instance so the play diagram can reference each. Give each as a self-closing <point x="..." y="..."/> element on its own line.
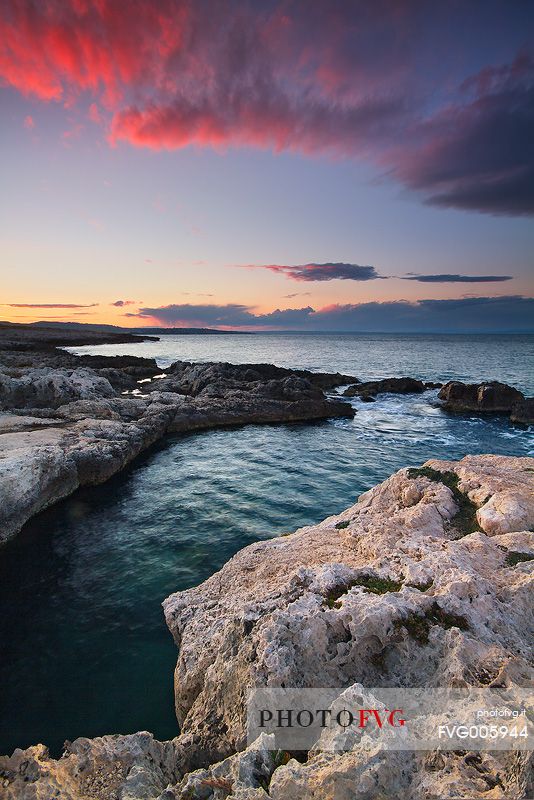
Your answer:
<point x="324" y="164"/>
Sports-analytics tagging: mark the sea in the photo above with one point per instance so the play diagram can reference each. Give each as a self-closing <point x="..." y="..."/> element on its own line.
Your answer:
<point x="85" y="650"/>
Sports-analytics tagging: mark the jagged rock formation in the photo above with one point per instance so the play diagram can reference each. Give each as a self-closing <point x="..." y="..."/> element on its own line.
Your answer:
<point x="130" y="767"/>
<point x="218" y="378"/>
<point x="425" y="581"/>
<point x="63" y="427"/>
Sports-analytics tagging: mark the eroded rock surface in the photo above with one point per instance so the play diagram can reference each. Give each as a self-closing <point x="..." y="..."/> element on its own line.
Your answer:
<point x="391" y="592"/>
<point x="132" y="767"/>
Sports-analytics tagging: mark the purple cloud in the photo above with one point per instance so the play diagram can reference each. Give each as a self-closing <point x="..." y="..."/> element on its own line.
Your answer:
<point x="478" y="153"/>
<point x="333" y="270"/>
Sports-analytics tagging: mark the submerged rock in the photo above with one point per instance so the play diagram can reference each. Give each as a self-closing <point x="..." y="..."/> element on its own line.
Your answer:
<point x="391" y="592"/>
<point x="433" y="385"/>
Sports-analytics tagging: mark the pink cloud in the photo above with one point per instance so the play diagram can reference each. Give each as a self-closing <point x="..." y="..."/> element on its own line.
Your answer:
<point x="29" y="122"/>
<point x="94" y="114"/>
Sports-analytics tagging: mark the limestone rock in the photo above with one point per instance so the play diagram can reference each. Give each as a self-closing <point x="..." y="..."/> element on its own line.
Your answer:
<point x="298" y="611"/>
<point x="194" y="378"/>
<point x="51" y="388"/>
<point x="132" y="767"/>
<point x="372" y="773"/>
<point x="388" y="593"/>
<point x="504" y="496"/>
<point x="243" y="775"/>
<point x="34" y="473"/>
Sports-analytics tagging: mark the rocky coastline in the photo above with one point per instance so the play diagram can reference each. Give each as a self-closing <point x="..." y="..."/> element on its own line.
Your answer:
<point x="68" y="421"/>
<point x="425" y="581"/>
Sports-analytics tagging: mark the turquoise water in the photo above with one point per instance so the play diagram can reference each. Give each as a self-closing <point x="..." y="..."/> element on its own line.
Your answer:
<point x="85" y="650"/>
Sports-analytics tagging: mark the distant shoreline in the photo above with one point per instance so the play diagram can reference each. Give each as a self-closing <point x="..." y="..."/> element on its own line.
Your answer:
<point x="72" y="333"/>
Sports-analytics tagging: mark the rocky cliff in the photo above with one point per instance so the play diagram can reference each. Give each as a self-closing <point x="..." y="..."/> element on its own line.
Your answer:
<point x="426" y="581"/>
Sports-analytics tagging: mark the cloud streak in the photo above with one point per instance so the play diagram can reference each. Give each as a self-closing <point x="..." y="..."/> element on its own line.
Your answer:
<point x="455" y="278"/>
<point x="355" y="272"/>
<point x="507" y="313"/>
<point x="49" y="305"/>
<point x="348" y="80"/>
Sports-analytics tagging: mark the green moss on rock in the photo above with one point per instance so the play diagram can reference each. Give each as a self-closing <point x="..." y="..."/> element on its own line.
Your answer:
<point x="369" y="583"/>
<point x="514" y="558"/>
<point x="419" y="625"/>
<point x="465" y="520"/>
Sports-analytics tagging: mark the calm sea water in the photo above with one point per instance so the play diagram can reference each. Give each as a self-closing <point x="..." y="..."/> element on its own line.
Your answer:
<point x="508" y="358"/>
<point x="85" y="650"/>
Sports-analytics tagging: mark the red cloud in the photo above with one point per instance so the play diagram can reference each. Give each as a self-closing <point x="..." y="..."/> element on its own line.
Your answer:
<point x="49" y="48"/>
